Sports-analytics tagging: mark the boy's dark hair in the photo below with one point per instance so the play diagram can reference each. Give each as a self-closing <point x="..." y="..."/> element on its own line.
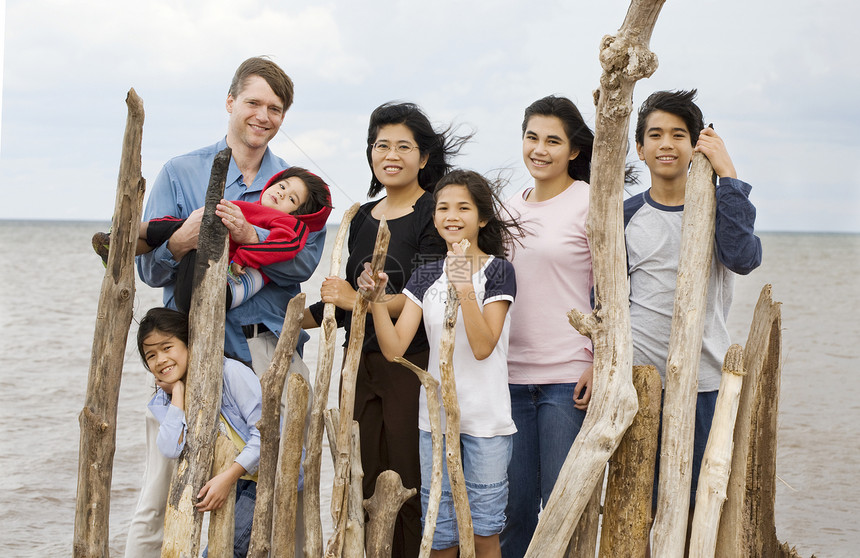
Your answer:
<point x="165" y="320"/>
<point x="500" y="231"/>
<point x="679" y="103"/>
<point x="577" y="131"/>
<point x="277" y="79"/>
<point x="438" y="146"/>
<point x="319" y="195"/>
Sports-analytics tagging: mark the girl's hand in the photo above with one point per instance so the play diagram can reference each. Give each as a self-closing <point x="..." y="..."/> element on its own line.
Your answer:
<point x="237" y="269"/>
<point x="582" y="391"/>
<point x="338" y="292"/>
<point x="241" y="231"/>
<point x="458" y="267"/>
<point x="176" y="390"/>
<point x="372" y="290"/>
<point x="215" y="492"/>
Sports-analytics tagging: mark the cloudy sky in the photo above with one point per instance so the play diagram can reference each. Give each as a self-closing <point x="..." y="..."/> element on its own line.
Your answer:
<point x="779" y="81"/>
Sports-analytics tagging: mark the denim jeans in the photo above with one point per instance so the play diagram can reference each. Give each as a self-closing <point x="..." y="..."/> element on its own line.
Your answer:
<point x="547" y="423"/>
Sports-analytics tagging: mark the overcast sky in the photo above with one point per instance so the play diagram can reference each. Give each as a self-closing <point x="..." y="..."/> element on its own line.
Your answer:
<point x="778" y="80"/>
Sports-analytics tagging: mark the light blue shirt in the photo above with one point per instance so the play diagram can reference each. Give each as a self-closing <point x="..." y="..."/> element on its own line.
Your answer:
<point x="241" y="405"/>
<point x="179" y="189"/>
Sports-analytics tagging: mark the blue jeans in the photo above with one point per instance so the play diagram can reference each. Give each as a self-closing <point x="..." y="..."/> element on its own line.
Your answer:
<point x="547" y="423"/>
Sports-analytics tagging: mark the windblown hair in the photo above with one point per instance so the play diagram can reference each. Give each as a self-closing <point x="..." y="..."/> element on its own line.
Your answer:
<point x="502" y="229"/>
<point x="277" y="79"/>
<point x="165" y="320"/>
<point x="319" y="195"/>
<point x="578" y="133"/>
<point x="438" y="146"/>
<point x="679" y="103"/>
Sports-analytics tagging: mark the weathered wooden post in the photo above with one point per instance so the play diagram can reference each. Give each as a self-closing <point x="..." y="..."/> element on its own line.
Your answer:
<point x="325" y="360"/>
<point x="434" y="413"/>
<point x="353" y="539"/>
<point x="627" y="509"/>
<point x="182" y="522"/>
<point x="382" y="508"/>
<point x="289" y="464"/>
<point x="269" y="425"/>
<point x="222" y="521"/>
<point x="452" y="425"/>
<point x="747" y="523"/>
<point x="583" y="543"/>
<point x="340" y="490"/>
<point x="717" y="460"/>
<point x="98" y="417"/>
<point x="625" y="59"/>
<point x="682" y="365"/>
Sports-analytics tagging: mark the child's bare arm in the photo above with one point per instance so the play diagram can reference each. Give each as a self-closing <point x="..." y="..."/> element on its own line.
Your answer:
<point x="711" y="145"/>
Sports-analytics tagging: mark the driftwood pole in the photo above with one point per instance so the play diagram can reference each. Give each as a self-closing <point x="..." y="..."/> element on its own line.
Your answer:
<point x="627" y="508"/>
<point x="434" y="413"/>
<point x="289" y="463"/>
<point x="98" y="417"/>
<point x="272" y="383"/>
<point x="452" y="426"/>
<point x="717" y="460"/>
<point x="325" y="360"/>
<point x="353" y="538"/>
<point x="340" y="489"/>
<point x="682" y="365"/>
<point x="182" y="522"/>
<point x="583" y="544"/>
<point x="747" y="523"/>
<point x="625" y="58"/>
<point x="222" y="521"/>
<point x="382" y="508"/>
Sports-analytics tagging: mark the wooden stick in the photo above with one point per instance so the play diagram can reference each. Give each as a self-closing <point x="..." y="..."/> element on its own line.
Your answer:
<point x="434" y="412"/>
<point x="347" y="399"/>
<point x="625" y="59"/>
<point x="325" y="360"/>
<point x="113" y="317"/>
<point x="583" y="544"/>
<point x="382" y="509"/>
<point x="332" y="420"/>
<point x="682" y="365"/>
<point x="746" y="524"/>
<point x="452" y="426"/>
<point x="222" y="522"/>
<point x="717" y="460"/>
<point x="269" y="426"/>
<point x="353" y="540"/>
<point x="627" y="508"/>
<point x="289" y="463"/>
<point x="183" y="523"/>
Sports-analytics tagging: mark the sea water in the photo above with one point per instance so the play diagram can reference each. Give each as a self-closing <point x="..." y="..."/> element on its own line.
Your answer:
<point x="48" y="305"/>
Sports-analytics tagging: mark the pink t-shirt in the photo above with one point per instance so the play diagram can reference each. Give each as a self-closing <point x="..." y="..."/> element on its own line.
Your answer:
<point x="553" y="268"/>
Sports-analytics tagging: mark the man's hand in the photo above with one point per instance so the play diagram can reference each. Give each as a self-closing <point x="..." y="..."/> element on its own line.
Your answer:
<point x="241" y="231"/>
<point x="185" y="238"/>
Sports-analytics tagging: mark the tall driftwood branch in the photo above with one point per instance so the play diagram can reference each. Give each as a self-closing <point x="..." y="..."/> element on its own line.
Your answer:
<point x="382" y="509"/>
<point x="332" y="420"/>
<point x="182" y="521"/>
<point x="113" y="317"/>
<point x="625" y="58"/>
<point x="325" y="360"/>
<point x="222" y="521"/>
<point x="340" y="490"/>
<point x="434" y="413"/>
<point x="627" y="508"/>
<point x="269" y="425"/>
<point x="353" y="538"/>
<point x="747" y="525"/>
<point x="289" y="464"/>
<point x="717" y="460"/>
<point x="452" y="426"/>
<point x="682" y="365"/>
<point x="583" y="544"/>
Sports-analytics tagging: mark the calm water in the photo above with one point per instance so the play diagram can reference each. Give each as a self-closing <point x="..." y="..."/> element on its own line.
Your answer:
<point x="47" y="317"/>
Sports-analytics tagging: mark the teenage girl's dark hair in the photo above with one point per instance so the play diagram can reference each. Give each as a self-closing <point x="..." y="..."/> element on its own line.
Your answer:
<point x="165" y="320"/>
<point x="319" y="195"/>
<point x="578" y="133"/>
<point x="502" y="229"/>
<point x="679" y="103"/>
<point x="438" y="146"/>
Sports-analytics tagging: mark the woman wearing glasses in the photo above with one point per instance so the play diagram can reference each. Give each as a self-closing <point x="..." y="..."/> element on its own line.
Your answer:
<point x="407" y="157"/>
